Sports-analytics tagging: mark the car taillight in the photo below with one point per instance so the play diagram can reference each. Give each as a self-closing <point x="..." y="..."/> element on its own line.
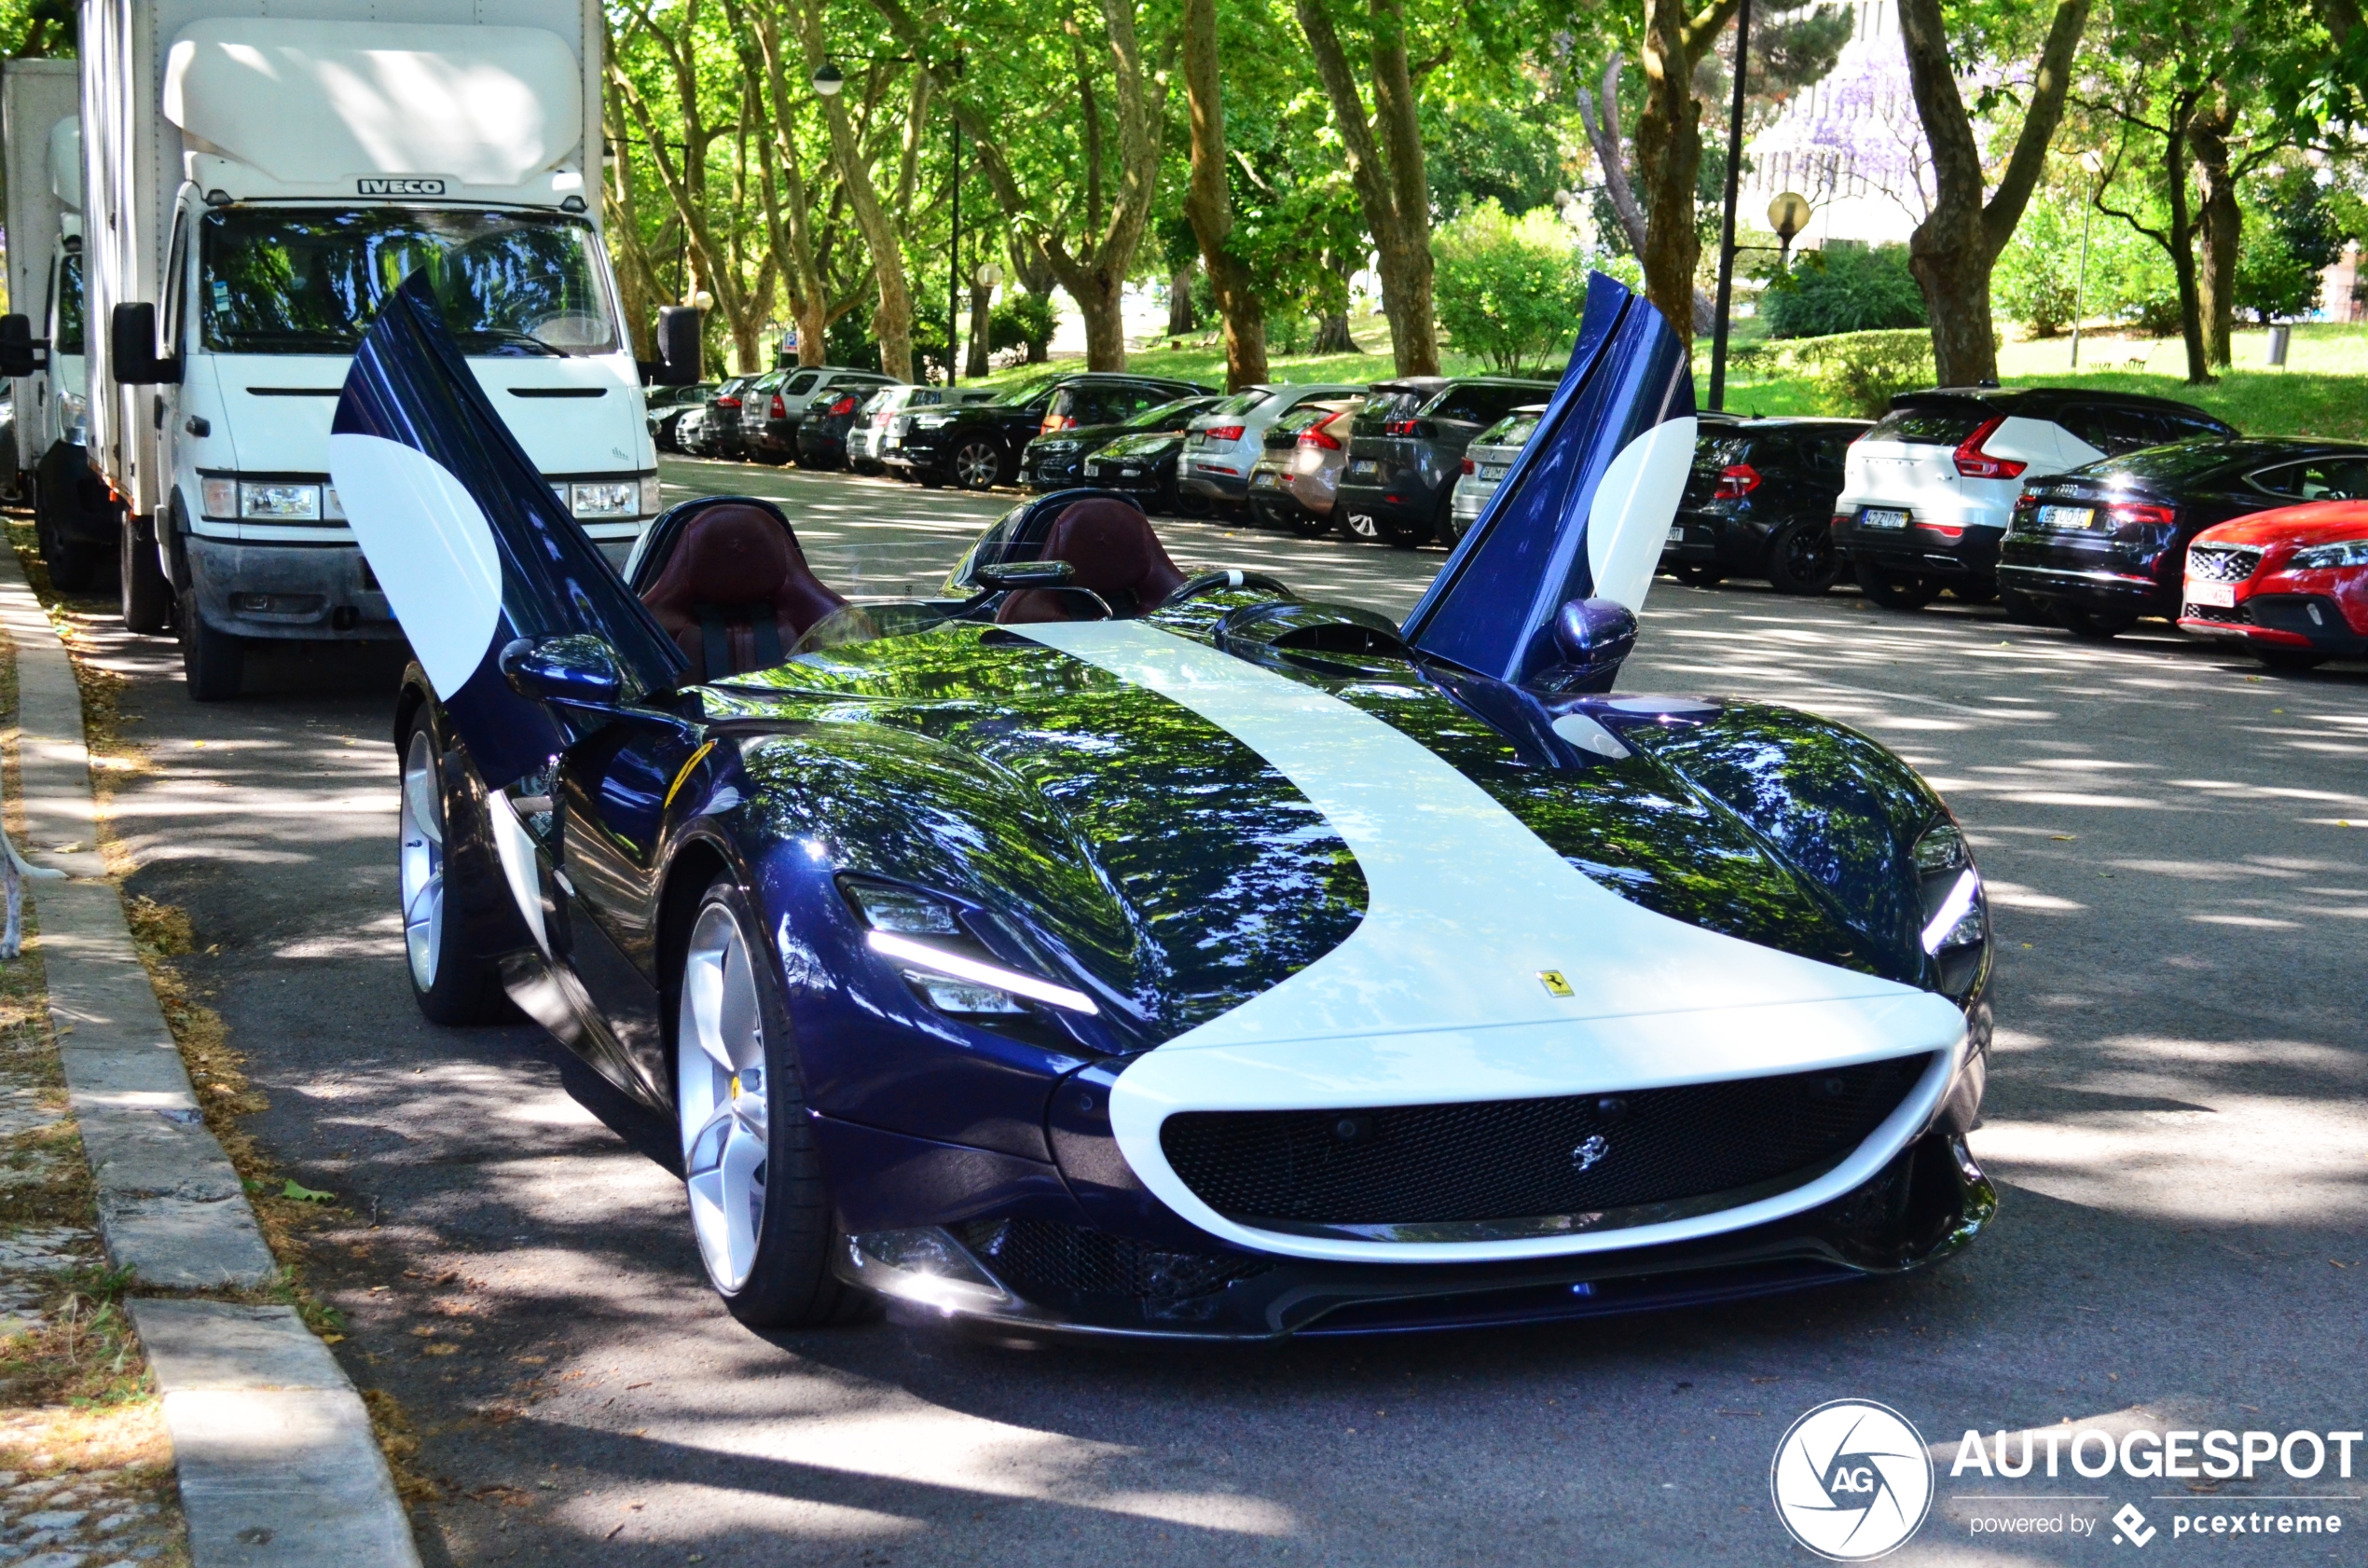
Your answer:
<point x="1222" y="433"/>
<point x="1470" y="467"/>
<point x="1398" y="427"/>
<point x="1975" y="463"/>
<point x="841" y="407"/>
<point x="1735" y="481"/>
<point x="1055" y="421"/>
<point x="777" y="409"/>
<point x="2141" y="517"/>
<point x="1322" y="435"/>
<point x="727" y="403"/>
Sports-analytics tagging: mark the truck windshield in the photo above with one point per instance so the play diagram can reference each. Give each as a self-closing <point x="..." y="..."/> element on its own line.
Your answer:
<point x="285" y="282"/>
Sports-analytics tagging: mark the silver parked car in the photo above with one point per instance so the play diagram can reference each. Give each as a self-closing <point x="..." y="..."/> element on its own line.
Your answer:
<point x="1486" y="462"/>
<point x="1222" y="445"/>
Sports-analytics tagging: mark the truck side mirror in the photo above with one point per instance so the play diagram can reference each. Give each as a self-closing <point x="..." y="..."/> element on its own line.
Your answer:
<point x="131" y="348"/>
<point x="679" y="352"/>
<point x="16" y="345"/>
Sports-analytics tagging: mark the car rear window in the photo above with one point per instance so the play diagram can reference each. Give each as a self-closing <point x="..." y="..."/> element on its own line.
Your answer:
<point x="1242" y="403"/>
<point x="1929" y="426"/>
<point x="1482" y="403"/>
<point x="802" y="382"/>
<point x="1513" y="431"/>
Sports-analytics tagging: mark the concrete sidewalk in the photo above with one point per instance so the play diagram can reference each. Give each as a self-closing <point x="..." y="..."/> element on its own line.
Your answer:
<point x="273" y="1449"/>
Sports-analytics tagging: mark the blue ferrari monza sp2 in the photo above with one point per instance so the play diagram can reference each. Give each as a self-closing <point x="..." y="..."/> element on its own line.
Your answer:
<point x="1104" y="948"/>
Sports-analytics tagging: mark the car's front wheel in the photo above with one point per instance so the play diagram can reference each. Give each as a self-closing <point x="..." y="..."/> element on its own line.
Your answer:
<point x="759" y="1207"/>
<point x="2289" y="660"/>
<point x="2093" y="626"/>
<point x="1695" y="574"/>
<point x="452" y="985"/>
<point x="977" y="464"/>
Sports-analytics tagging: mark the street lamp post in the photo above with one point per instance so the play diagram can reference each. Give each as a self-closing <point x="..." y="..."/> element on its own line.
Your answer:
<point x="1727" y="223"/>
<point x="2094" y="165"/>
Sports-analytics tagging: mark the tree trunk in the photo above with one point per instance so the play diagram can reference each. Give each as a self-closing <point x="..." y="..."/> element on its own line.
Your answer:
<point x="1602" y="134"/>
<point x="892" y="319"/>
<point x="1391" y="191"/>
<point x="1331" y="336"/>
<point x="1952" y="250"/>
<point x="1669" y="152"/>
<point x="1098" y="299"/>
<point x="2182" y="250"/>
<point x="975" y="362"/>
<point x="1208" y="204"/>
<point x="1179" y="302"/>
<point x="2220" y="227"/>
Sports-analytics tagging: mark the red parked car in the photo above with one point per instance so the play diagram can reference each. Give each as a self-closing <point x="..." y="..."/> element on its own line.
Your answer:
<point x="2293" y="583"/>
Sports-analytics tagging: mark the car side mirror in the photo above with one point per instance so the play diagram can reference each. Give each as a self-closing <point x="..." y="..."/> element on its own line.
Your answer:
<point x="1594" y="638"/>
<point x="1025" y="574"/>
<point x="679" y="352"/>
<point x="577" y="671"/>
<point x="132" y="347"/>
<point x="15" y="347"/>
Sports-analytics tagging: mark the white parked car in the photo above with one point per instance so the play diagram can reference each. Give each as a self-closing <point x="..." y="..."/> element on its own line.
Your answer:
<point x="1222" y="445"/>
<point x="867" y="442"/>
<point x="1927" y="493"/>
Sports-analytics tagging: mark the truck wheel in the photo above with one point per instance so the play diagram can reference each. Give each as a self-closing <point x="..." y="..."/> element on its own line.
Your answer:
<point x="72" y="567"/>
<point x="452" y="985"/>
<point x="211" y="662"/>
<point x="148" y="595"/>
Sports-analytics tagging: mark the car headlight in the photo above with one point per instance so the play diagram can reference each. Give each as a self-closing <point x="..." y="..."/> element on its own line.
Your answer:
<point x="951" y="969"/>
<point x="2351" y="552"/>
<point x="1949" y="891"/>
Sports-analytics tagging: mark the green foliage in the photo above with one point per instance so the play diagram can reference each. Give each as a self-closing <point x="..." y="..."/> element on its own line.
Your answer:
<point x="1858" y="372"/>
<point x="1844" y="289"/>
<point x="1508" y="289"/>
<point x="1025" y="321"/>
<point x="2274" y="282"/>
<point x="2037" y="281"/>
<point x="2039" y="275"/>
<point x="1477" y="152"/>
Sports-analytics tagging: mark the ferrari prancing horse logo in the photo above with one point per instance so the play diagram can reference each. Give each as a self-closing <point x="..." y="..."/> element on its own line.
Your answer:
<point x="1587" y="1156"/>
<point x="1554" y="982"/>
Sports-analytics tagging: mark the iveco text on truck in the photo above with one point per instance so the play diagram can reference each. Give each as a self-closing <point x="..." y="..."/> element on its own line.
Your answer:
<point x="257" y="176"/>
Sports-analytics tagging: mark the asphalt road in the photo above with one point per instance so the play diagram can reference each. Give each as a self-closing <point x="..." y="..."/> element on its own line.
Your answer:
<point x="2179" y="847"/>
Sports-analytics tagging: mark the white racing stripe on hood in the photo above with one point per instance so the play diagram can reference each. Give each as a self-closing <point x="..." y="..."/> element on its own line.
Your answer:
<point x="1435" y="997"/>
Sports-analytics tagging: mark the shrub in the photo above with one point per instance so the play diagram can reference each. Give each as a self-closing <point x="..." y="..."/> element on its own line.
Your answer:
<point x="1844" y="289"/>
<point x="1857" y="372"/>
<point x="1025" y="321"/>
<point x="1508" y="289"/>
<point x="2273" y="280"/>
<point x="2037" y="279"/>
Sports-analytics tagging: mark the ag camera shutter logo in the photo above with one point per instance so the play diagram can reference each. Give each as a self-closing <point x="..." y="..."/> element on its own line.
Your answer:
<point x="1851" y="1480"/>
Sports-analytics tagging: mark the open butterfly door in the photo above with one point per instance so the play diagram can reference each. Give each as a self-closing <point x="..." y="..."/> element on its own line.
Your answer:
<point x="469" y="541"/>
<point x="1587" y="508"/>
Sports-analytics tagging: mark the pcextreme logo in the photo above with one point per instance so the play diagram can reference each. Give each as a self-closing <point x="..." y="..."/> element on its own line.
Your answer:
<point x="1851" y="1480"/>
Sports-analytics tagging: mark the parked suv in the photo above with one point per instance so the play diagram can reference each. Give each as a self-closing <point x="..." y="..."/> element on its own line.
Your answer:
<point x="978" y="445"/>
<point x="1406" y="450"/>
<point x="769" y="418"/>
<point x="1929" y="490"/>
<point x="1297" y="477"/>
<point x="1760" y="503"/>
<point x="2098" y="547"/>
<point x="819" y="422"/>
<point x="1222" y="445"/>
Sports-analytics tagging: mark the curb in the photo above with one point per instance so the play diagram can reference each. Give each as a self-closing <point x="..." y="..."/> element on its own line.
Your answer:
<point x="271" y="1445"/>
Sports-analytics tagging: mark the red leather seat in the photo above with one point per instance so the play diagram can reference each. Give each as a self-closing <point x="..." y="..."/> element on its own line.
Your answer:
<point x="1115" y="553"/>
<point x="737" y="591"/>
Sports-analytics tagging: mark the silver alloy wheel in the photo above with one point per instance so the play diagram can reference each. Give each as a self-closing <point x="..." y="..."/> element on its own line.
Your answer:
<point x="976" y="465"/>
<point x="720" y="1095"/>
<point x="1362" y="526"/>
<point x="421" y="832"/>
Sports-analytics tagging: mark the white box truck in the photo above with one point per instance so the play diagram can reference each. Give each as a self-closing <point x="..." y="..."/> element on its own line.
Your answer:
<point x="259" y="173"/>
<point x="75" y="521"/>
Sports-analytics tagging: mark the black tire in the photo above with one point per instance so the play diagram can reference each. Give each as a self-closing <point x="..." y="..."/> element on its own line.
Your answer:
<point x="1192" y="503"/>
<point x="2092" y="626"/>
<point x="789" y="1283"/>
<point x="213" y="663"/>
<point x="147" y="593"/>
<point x="73" y="567"/>
<point x="2288" y="661"/>
<point x="977" y="464"/>
<point x="2021" y="609"/>
<point x="1414" y="536"/>
<point x="1800" y="558"/>
<point x="464" y="986"/>
<point x="1694" y="574"/>
<point x="1893" y="590"/>
<point x="1976" y="590"/>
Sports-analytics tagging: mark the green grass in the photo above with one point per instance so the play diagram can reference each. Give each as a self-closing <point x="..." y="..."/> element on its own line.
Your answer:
<point x="2324" y="390"/>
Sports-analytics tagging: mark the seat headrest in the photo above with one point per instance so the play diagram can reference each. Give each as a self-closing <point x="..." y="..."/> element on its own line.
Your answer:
<point x="728" y="554"/>
<point x="1114" y="551"/>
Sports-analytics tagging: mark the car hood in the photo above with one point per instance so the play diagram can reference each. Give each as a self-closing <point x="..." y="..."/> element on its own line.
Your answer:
<point x="1127" y="826"/>
<point x="2315" y="522"/>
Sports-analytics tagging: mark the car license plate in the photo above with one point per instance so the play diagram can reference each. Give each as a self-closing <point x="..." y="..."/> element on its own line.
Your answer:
<point x="1490" y="471"/>
<point x="2217" y="596"/>
<point x="1092" y="470"/>
<point x="1364" y="465"/>
<point x="1266" y="479"/>
<point x="2067" y="516"/>
<point x="1130" y="474"/>
<point x="1676" y="536"/>
<point x="1198" y="438"/>
<point x="1881" y="517"/>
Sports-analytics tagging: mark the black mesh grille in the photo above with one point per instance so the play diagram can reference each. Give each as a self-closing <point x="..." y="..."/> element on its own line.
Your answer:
<point x="2221" y="563"/>
<point x="1037" y="1256"/>
<point x="1507" y="1160"/>
<point x="2226" y="614"/>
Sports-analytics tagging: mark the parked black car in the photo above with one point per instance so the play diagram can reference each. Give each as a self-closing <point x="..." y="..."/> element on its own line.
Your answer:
<point x="812" y="421"/>
<point x="1406" y="451"/>
<point x="667" y="404"/>
<point x="715" y="429"/>
<point x="1760" y="503"/>
<point x="977" y="446"/>
<point x="1054" y="462"/>
<point x="2098" y="547"/>
<point x="1141" y="463"/>
<point x="769" y="422"/>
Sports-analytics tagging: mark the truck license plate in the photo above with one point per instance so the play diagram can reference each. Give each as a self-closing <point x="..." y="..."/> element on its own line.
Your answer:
<point x="2217" y="596"/>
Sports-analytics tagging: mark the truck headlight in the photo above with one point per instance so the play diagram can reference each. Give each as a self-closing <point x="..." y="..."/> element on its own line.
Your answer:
<point x="73" y="411"/>
<point x="278" y="502"/>
<point x="606" y="497"/>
